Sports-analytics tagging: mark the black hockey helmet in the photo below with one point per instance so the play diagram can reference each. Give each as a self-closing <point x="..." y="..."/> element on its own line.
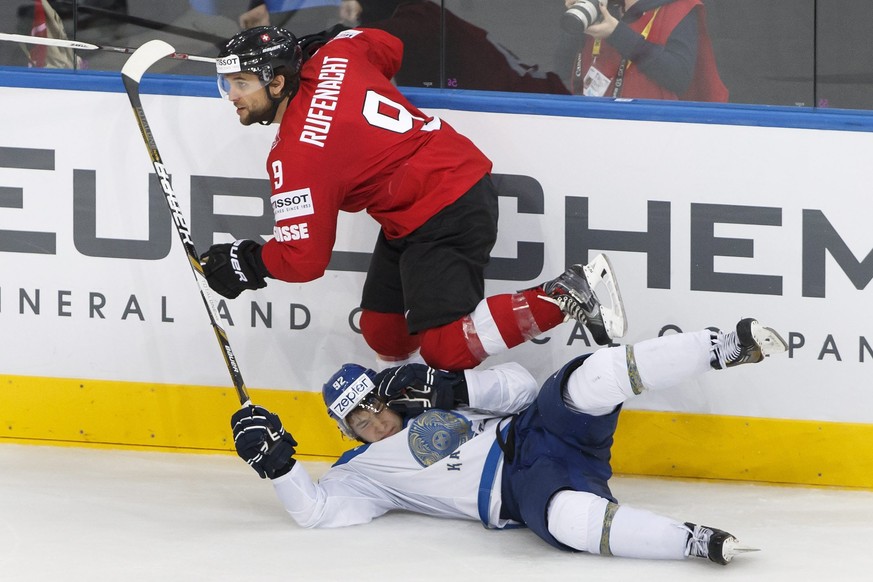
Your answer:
<point x="261" y="50"/>
<point x="266" y="51"/>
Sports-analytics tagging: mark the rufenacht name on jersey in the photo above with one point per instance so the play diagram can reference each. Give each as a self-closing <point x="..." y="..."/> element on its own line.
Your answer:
<point x="324" y="101"/>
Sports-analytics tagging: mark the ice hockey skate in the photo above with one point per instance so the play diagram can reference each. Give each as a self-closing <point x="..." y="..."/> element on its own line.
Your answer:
<point x="713" y="544"/>
<point x="749" y="344"/>
<point x="575" y="292"/>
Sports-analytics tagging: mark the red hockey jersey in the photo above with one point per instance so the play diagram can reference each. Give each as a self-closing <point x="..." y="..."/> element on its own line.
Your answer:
<point x="350" y="141"/>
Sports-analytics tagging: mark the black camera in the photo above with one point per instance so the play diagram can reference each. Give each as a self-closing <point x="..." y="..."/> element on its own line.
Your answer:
<point x="581" y="15"/>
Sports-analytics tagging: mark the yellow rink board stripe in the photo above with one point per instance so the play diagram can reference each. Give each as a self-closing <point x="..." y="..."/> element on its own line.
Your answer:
<point x="163" y="416"/>
<point x="196" y="419"/>
<point x="744" y="448"/>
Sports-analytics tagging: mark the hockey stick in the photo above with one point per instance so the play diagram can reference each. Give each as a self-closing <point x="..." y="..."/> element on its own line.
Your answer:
<point x="131" y="73"/>
<point x="87" y="46"/>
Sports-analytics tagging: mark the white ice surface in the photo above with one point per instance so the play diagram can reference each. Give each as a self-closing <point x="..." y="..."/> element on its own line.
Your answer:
<point x="71" y="514"/>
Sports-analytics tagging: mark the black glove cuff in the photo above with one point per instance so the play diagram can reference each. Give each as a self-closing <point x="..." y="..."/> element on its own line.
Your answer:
<point x="232" y="268"/>
<point x="256" y="262"/>
<point x="284" y="470"/>
<point x="462" y="394"/>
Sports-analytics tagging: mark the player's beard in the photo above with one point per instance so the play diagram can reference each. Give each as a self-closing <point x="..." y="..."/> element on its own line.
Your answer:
<point x="263" y="113"/>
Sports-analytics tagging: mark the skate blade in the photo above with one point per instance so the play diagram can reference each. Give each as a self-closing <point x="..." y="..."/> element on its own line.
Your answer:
<point x="733" y="548"/>
<point x="769" y="339"/>
<point x="599" y="272"/>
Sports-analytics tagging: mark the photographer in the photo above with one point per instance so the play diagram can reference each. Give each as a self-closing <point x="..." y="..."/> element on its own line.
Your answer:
<point x="653" y="49"/>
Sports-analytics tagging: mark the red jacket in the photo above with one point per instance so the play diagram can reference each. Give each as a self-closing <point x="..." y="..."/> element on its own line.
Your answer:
<point x="706" y="85"/>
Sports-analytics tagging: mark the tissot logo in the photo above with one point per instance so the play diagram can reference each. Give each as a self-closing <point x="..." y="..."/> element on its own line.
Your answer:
<point x="229" y="64"/>
<point x="292" y="204"/>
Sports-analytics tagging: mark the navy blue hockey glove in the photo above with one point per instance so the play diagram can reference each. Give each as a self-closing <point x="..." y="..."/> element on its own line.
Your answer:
<point x="413" y="388"/>
<point x="262" y="442"/>
<point x="230" y="269"/>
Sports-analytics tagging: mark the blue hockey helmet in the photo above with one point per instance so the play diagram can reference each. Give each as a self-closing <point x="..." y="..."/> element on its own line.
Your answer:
<point x="350" y="387"/>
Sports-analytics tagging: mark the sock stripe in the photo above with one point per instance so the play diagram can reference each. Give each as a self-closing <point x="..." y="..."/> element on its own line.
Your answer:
<point x="611" y="508"/>
<point x="471" y="337"/>
<point x="527" y="325"/>
<point x="633" y="373"/>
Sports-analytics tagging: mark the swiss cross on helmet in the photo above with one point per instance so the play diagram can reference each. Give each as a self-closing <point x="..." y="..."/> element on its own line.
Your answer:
<point x="261" y="50"/>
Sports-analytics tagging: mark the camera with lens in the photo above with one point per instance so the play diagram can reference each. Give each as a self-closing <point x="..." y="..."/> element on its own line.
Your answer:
<point x="581" y="15"/>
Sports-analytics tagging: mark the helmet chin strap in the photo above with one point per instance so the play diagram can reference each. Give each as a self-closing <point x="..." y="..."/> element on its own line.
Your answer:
<point x="271" y="113"/>
<point x="277" y="101"/>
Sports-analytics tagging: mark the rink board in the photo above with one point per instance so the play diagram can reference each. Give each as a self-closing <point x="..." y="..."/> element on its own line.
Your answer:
<point x="195" y="419"/>
<point x="709" y="215"/>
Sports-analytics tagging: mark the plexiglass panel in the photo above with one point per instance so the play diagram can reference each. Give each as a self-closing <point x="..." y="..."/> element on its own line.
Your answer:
<point x="773" y="52"/>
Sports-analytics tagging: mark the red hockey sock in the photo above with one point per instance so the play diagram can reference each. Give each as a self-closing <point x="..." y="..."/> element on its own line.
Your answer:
<point x="387" y="335"/>
<point x="523" y="315"/>
<point x="498" y="323"/>
<point x="454" y="346"/>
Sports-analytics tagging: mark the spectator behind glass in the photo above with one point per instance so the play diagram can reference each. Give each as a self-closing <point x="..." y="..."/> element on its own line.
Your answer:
<point x="655" y="49"/>
<point x="39" y="18"/>
<point x="472" y="61"/>
<point x="259" y="11"/>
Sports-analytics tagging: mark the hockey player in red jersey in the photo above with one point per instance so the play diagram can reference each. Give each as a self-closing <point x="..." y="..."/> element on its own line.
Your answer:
<point x="349" y="140"/>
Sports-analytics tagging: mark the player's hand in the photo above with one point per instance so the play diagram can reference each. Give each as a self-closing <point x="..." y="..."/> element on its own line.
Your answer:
<point x="414" y="388"/>
<point x="230" y="269"/>
<point x="257" y="16"/>
<point x="350" y="12"/>
<point x="262" y="442"/>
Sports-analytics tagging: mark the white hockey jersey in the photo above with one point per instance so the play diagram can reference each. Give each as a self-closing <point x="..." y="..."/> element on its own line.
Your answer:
<point x="443" y="463"/>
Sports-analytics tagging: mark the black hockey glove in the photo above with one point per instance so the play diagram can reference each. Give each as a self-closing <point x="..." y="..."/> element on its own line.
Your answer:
<point x="413" y="388"/>
<point x="230" y="269"/>
<point x="262" y="442"/>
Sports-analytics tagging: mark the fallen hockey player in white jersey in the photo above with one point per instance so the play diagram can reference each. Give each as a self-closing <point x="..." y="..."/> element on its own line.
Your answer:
<point x="490" y="445"/>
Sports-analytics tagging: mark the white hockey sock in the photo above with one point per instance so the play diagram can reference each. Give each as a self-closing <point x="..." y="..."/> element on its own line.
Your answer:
<point x="485" y="330"/>
<point x="637" y="533"/>
<point x="669" y="360"/>
<point x="612" y="375"/>
<point x="575" y="518"/>
<point x="586" y="522"/>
